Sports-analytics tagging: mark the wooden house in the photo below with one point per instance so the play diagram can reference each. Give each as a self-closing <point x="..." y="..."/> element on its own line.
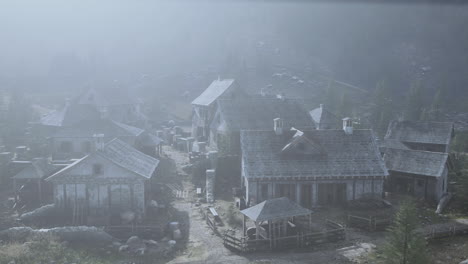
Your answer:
<point x="312" y="168"/>
<point x="104" y="184"/>
<point x="427" y="136"/>
<point x="422" y="174"/>
<point x="204" y="106"/>
<point x="253" y="113"/>
<point x="77" y="140"/>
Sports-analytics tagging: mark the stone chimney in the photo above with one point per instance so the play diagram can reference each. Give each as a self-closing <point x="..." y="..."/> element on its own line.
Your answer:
<point x="98" y="142"/>
<point x="278" y="126"/>
<point x="348" y="125"/>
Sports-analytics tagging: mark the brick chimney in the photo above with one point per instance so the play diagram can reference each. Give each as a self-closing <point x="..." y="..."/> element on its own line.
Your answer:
<point x="278" y="126"/>
<point x="348" y="125"/>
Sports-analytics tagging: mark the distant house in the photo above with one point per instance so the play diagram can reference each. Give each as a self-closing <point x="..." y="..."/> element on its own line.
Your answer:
<point x="315" y="167"/>
<point x="204" y="106"/>
<point x="68" y="115"/>
<point x="422" y="174"/>
<point x="111" y="180"/>
<point x="324" y="119"/>
<point x="428" y="136"/>
<point x="253" y="113"/>
<point x="77" y="140"/>
<point x="116" y="105"/>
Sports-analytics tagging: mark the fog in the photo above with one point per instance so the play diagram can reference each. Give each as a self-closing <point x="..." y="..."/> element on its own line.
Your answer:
<point x="83" y="41"/>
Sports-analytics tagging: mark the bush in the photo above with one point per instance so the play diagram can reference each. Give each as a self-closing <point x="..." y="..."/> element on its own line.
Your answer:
<point x="233" y="217"/>
<point x="44" y="248"/>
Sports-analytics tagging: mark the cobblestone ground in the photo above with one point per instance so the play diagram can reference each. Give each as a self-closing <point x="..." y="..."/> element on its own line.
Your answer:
<point x="205" y="247"/>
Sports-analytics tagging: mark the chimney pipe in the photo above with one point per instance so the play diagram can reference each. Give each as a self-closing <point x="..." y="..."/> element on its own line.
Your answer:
<point x="348" y="126"/>
<point x="278" y="126"/>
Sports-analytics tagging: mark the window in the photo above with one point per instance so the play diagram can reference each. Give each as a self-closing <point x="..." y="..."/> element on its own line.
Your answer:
<point x="97" y="169"/>
<point x="66" y="146"/>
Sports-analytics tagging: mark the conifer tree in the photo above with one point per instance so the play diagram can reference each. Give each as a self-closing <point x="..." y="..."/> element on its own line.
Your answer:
<point x="404" y="245"/>
<point x="414" y="104"/>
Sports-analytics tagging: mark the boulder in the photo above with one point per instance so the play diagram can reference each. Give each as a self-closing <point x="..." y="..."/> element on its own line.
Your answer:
<point x="39" y="213"/>
<point x="123" y="248"/>
<point x="464" y="262"/>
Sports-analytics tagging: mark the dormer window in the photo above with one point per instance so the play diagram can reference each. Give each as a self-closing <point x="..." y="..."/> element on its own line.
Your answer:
<point x="97" y="169"/>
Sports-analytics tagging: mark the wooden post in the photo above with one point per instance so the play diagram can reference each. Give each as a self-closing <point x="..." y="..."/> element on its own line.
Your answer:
<point x="270" y="235"/>
<point x="39" y="185"/>
<point x="16" y="191"/>
<point x="257" y="234"/>
<point x="243" y="226"/>
<point x="310" y="222"/>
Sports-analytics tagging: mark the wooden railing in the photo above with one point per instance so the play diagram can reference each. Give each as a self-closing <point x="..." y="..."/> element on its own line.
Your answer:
<point x="370" y="223"/>
<point x="334" y="233"/>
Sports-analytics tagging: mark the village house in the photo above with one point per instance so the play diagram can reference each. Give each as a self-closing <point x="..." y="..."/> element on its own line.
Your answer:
<point x="422" y="174"/>
<point x="311" y="167"/>
<point x="77" y="140"/>
<point x="99" y="187"/>
<point x="416" y="155"/>
<point x="204" y="106"/>
<point x="324" y="119"/>
<point x="428" y="136"/>
<point x="116" y="104"/>
<point x="253" y="113"/>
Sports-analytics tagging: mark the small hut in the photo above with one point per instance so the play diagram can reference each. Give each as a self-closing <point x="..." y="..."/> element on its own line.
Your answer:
<point x="277" y="218"/>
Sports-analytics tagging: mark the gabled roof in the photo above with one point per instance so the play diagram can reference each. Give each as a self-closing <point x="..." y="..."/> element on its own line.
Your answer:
<point x="87" y="128"/>
<point x="38" y="169"/>
<point x="113" y="96"/>
<point x="391" y="143"/>
<point x="122" y="155"/>
<point x="420" y="132"/>
<point x="416" y="162"/>
<point x="324" y="119"/>
<point x="277" y="208"/>
<point x="341" y="155"/>
<point x="213" y="92"/>
<point x="70" y="114"/>
<point x="258" y="113"/>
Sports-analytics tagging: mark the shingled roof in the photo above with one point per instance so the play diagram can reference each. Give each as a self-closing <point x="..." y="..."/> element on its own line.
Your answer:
<point x="87" y="128"/>
<point x="213" y="92"/>
<point x="416" y="161"/>
<point x="257" y="113"/>
<point x="420" y="132"/>
<point x="324" y="119"/>
<point x="37" y="169"/>
<point x="334" y="154"/>
<point x="70" y="114"/>
<point x="122" y="155"/>
<point x="277" y="208"/>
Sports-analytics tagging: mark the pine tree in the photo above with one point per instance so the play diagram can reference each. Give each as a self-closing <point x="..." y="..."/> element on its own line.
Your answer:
<point x="414" y="105"/>
<point x="382" y="106"/>
<point x="404" y="245"/>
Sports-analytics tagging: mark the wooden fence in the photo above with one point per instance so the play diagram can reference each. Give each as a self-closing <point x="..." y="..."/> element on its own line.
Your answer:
<point x="125" y="231"/>
<point x="334" y="233"/>
<point x="446" y="231"/>
<point x="370" y="223"/>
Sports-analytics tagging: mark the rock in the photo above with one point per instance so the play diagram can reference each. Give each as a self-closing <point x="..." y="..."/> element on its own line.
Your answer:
<point x="171" y="243"/>
<point x="173" y="226"/>
<point x="151" y="243"/>
<point x="134" y="240"/>
<point x="123" y="248"/>
<point x="140" y="251"/>
<point x="116" y="244"/>
<point x="464" y="262"/>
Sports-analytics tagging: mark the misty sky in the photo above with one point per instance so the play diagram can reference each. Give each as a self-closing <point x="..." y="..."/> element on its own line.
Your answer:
<point x="113" y="38"/>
